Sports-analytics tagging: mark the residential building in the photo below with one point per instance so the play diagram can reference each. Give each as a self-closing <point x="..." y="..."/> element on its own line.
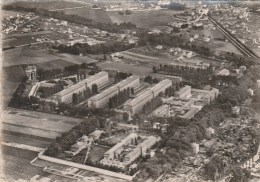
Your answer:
<point x="209" y="131"/>
<point x="66" y="94"/>
<point x="195" y="148"/>
<point x="136" y="105"/>
<point x="101" y="100"/>
<point x="224" y="72"/>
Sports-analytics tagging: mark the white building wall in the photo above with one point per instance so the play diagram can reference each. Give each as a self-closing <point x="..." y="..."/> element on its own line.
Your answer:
<point x="67" y="98"/>
<point x="142" y="99"/>
<point x="104" y="101"/>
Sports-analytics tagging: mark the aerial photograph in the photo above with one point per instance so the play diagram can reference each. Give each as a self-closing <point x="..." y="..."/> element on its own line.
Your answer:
<point x="130" y="90"/>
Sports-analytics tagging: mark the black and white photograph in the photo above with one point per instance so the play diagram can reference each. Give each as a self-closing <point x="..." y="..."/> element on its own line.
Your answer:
<point x="130" y="91"/>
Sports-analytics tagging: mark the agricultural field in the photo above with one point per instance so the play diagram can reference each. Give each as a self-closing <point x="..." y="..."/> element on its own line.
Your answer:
<point x="36" y="125"/>
<point x="26" y="55"/>
<point x="140" y="18"/>
<point x="55" y="64"/>
<point x="49" y="5"/>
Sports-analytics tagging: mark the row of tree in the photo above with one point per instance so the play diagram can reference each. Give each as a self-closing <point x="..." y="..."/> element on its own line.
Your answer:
<point x="48" y="74"/>
<point x="49" y="91"/>
<point x="196" y="75"/>
<point x="152" y="105"/>
<point x="121" y="76"/>
<point x="119" y="98"/>
<point x="84" y="48"/>
<point x="18" y="99"/>
<point x="82" y="95"/>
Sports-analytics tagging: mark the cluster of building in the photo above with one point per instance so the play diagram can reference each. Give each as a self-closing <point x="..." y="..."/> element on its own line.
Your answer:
<point x="186" y="102"/>
<point x="12" y="23"/>
<point x="136" y="105"/>
<point x="128" y="150"/>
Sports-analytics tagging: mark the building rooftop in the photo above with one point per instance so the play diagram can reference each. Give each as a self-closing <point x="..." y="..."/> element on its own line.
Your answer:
<point x="148" y="92"/>
<point x="114" y="88"/>
<point x="81" y="83"/>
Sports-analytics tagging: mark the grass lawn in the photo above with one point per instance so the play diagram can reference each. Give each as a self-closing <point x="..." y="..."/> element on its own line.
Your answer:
<point x="97" y="153"/>
<point x="26" y="55"/>
<point x="55" y="64"/>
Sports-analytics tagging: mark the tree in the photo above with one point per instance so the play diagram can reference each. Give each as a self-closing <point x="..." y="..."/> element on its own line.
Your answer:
<point x="154" y="69"/>
<point x="94" y="89"/>
<point x="125" y="116"/>
<point x="132" y="90"/>
<point x="148" y="79"/>
<point x="75" y="98"/>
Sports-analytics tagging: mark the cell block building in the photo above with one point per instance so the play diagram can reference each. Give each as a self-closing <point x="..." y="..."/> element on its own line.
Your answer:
<point x="101" y="100"/>
<point x="65" y="96"/>
<point x="136" y="105"/>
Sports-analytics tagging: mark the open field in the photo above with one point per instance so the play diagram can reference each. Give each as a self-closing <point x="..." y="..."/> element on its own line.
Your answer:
<point x="32" y="55"/>
<point x="135" y="69"/>
<point x="36" y="125"/>
<point x="8" y="138"/>
<point x="221" y="46"/>
<point x="49" y="5"/>
<point x="55" y="64"/>
<point x="19" y="168"/>
<point x="139" y="18"/>
<point x="25" y="55"/>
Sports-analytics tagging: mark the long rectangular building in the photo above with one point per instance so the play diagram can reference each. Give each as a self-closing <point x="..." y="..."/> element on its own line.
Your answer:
<point x="136" y="105"/>
<point x="101" y="100"/>
<point x="66" y="94"/>
<point x="140" y="149"/>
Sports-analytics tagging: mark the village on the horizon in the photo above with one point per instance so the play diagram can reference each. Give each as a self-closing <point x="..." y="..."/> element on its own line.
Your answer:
<point x="131" y="90"/>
